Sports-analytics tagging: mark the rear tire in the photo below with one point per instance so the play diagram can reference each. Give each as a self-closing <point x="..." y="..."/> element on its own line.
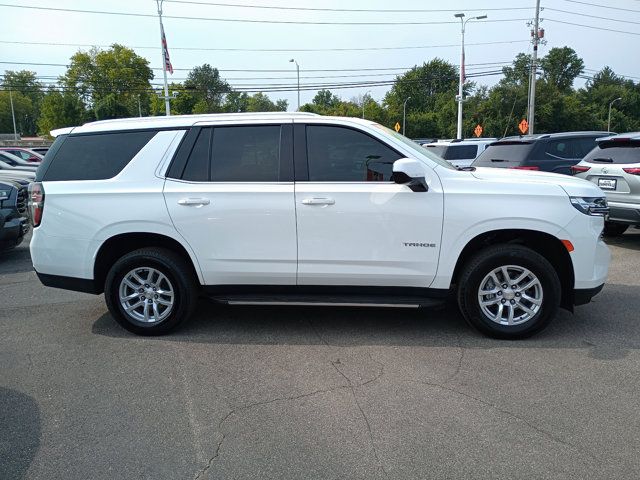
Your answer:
<point x="612" y="229"/>
<point x="514" y="306"/>
<point x="151" y="291"/>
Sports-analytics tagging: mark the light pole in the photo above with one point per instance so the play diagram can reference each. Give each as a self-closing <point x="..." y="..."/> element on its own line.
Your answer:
<point x="364" y="99"/>
<point x="609" y="120"/>
<point x="459" y="97"/>
<point x="404" y="113"/>
<point x="298" y="72"/>
<point x="13" y="117"/>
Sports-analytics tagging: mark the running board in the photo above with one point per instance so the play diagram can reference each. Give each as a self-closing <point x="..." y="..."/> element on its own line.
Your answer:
<point x="329" y="300"/>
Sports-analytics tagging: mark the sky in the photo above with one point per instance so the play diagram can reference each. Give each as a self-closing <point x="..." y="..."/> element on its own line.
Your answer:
<point x="343" y="54"/>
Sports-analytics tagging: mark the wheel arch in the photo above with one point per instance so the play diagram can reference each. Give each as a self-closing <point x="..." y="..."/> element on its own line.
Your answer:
<point x="543" y="243"/>
<point x="118" y="245"/>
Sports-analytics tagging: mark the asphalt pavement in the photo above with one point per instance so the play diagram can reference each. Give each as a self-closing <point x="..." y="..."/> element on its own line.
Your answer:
<point x="292" y="392"/>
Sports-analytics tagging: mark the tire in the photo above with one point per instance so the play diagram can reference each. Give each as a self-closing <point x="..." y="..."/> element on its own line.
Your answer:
<point x="612" y="229"/>
<point x="477" y="272"/>
<point x="165" y="311"/>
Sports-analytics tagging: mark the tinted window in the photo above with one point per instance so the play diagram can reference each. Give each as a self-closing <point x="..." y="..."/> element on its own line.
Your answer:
<point x="559" y="149"/>
<point x="582" y="146"/>
<point x="48" y="157"/>
<point x="246" y="154"/>
<point x="343" y="155"/>
<point x="502" y="154"/>
<point x="615" y="152"/>
<point x="460" y="152"/>
<point x="95" y="157"/>
<point x="197" y="168"/>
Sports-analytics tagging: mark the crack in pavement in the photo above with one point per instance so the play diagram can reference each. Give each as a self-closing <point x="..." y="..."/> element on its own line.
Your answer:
<point x="364" y="416"/>
<point x="508" y="413"/>
<point x="349" y="386"/>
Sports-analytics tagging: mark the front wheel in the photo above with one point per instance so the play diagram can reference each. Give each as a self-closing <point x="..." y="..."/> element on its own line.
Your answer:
<point x="150" y="291"/>
<point x="509" y="291"/>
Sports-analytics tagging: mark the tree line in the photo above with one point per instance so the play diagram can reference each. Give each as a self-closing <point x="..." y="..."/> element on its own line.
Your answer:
<point x="115" y="83"/>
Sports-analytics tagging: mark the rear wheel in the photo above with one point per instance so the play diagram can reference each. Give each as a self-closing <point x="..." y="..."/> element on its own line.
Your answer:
<point x="612" y="229"/>
<point x="509" y="291"/>
<point x="150" y="291"/>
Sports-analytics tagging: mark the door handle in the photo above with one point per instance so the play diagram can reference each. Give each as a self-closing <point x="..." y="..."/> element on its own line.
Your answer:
<point x="318" y="201"/>
<point x="196" y="202"/>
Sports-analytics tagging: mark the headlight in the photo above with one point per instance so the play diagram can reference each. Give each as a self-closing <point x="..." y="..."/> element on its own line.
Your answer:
<point x="4" y="194"/>
<point x="596" y="206"/>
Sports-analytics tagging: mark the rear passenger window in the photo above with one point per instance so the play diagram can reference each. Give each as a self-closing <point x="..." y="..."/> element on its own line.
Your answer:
<point x="337" y="154"/>
<point x="559" y="149"/>
<point x="197" y="168"/>
<point x="461" y="152"/>
<point x="95" y="157"/>
<point x="246" y="154"/>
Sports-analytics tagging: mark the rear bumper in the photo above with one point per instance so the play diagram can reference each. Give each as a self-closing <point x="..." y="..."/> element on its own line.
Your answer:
<point x="582" y="296"/>
<point x="70" y="283"/>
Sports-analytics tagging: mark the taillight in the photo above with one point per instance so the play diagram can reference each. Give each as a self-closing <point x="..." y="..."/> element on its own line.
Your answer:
<point x="525" y="168"/>
<point x="36" y="202"/>
<point x="575" y="169"/>
<point x="632" y="170"/>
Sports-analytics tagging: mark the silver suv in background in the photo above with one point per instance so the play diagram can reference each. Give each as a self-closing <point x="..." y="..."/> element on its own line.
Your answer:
<point x="614" y="166"/>
<point x="459" y="153"/>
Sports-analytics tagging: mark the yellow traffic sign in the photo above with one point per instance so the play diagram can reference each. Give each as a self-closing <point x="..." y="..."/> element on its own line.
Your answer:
<point x="523" y="126"/>
<point x="397" y="126"/>
<point x="478" y="130"/>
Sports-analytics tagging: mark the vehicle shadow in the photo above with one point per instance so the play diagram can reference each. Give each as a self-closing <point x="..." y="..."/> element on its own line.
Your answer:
<point x="630" y="240"/>
<point x="608" y="326"/>
<point x="20" y="428"/>
<point x="17" y="260"/>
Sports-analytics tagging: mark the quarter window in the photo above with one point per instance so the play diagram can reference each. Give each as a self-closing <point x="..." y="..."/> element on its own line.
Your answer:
<point x="337" y="154"/>
<point x="559" y="149"/>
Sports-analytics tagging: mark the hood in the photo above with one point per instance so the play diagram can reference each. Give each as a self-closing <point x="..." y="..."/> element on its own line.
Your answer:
<point x="575" y="187"/>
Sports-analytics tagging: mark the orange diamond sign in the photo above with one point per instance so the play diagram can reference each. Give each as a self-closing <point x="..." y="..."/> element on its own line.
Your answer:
<point x="478" y="130"/>
<point x="523" y="126"/>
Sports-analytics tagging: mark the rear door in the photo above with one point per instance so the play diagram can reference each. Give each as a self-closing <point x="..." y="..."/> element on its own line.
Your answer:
<point x="355" y="225"/>
<point x="230" y="194"/>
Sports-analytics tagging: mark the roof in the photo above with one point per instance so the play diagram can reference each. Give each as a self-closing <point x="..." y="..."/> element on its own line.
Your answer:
<point x="554" y="135"/>
<point x="620" y="136"/>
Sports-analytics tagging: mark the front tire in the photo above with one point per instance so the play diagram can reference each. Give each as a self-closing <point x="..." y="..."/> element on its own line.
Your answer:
<point x="508" y="291"/>
<point x="150" y="291"/>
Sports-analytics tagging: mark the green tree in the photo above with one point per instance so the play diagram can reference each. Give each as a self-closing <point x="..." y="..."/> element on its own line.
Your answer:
<point x="560" y="67"/>
<point x="60" y="109"/>
<point x="23" y="109"/>
<point x="109" y="81"/>
<point x="206" y="90"/>
<point x="236" y="102"/>
<point x="261" y="103"/>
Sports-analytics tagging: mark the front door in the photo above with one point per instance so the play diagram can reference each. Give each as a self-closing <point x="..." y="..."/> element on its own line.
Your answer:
<point x="355" y="226"/>
<point x="231" y="197"/>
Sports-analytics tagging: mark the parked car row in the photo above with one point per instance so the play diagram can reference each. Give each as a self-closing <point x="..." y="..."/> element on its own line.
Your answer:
<point x="14" y="222"/>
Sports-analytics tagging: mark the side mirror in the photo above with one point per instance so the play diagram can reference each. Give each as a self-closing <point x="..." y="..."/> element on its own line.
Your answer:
<point x="410" y="172"/>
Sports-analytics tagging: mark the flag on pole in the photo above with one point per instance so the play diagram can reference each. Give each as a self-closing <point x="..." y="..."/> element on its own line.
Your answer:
<point x="165" y="52"/>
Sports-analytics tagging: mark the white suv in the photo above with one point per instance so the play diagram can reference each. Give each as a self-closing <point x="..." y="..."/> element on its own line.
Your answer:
<point x="299" y="207"/>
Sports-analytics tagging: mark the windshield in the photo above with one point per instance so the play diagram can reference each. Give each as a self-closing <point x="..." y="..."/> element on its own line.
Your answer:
<point x="437" y="149"/>
<point x="421" y="151"/>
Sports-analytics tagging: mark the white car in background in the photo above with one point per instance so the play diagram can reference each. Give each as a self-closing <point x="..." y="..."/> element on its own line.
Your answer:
<point x="459" y="153"/>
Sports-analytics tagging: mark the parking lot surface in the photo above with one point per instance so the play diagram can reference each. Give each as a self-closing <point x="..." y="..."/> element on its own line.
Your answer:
<point x="316" y="392"/>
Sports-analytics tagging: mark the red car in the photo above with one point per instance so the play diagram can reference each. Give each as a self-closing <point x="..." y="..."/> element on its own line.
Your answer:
<point x="24" y="153"/>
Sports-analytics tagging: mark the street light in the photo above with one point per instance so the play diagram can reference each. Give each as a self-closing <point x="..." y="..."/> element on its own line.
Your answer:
<point x="404" y="113"/>
<point x="609" y="120"/>
<point x="364" y="98"/>
<point x="298" y="72"/>
<point x="459" y="97"/>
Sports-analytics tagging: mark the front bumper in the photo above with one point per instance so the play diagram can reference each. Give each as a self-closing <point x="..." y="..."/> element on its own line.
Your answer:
<point x="12" y="232"/>
<point x="624" y="213"/>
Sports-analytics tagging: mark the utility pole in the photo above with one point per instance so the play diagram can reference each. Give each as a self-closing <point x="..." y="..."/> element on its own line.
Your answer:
<point x="164" y="60"/>
<point x="608" y="121"/>
<point x="298" y="72"/>
<point x="534" y="68"/>
<point x="139" y="107"/>
<point x="13" y="117"/>
<point x="404" y="113"/>
<point x="460" y="96"/>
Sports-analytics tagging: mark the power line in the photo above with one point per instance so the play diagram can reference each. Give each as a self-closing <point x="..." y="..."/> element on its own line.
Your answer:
<point x="244" y="20"/>
<point x="213" y="49"/>
<point x="591" y="26"/>
<point x="603" y="6"/>
<point x="592" y="16"/>
<point x="358" y="10"/>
